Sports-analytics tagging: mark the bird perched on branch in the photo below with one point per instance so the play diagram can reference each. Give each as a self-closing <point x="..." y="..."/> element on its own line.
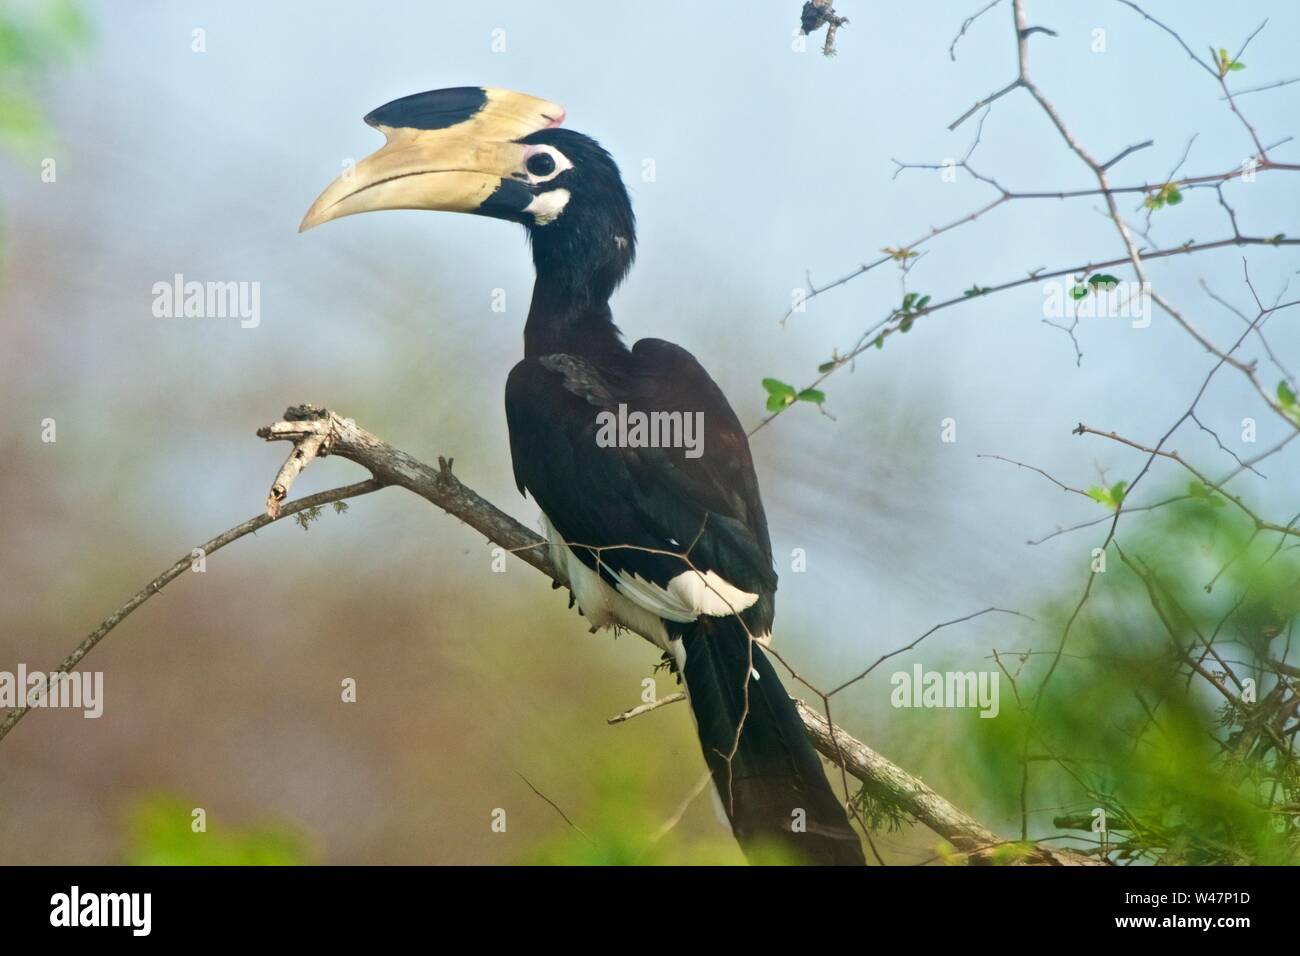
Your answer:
<point x="657" y="525"/>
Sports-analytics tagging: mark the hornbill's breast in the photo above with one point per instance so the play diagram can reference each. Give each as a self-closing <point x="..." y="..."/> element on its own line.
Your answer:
<point x="644" y="475"/>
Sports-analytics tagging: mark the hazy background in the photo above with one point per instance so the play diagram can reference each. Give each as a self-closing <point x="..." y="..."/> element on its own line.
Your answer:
<point x="224" y="692"/>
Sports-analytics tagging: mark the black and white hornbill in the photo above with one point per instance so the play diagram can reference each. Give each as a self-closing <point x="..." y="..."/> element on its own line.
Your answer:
<point x="670" y="542"/>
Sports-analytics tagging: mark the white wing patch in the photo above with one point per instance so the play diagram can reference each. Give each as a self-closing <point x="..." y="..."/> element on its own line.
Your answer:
<point x="642" y="605"/>
<point x="602" y="605"/>
<point x="687" y="596"/>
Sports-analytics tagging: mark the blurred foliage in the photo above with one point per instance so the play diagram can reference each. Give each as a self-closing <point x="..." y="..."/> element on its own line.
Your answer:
<point x="34" y="38"/>
<point x="160" y="833"/>
<point x="1172" y="709"/>
<point x="624" y="824"/>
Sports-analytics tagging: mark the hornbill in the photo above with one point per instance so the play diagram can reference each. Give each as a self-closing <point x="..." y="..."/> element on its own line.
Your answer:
<point x="656" y="536"/>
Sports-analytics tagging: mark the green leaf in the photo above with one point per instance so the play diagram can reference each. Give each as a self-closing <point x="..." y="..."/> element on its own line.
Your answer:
<point x="779" y="394"/>
<point x="1285" y="394"/>
<point x="921" y="302"/>
<point x="1228" y="64"/>
<point x="1117" y="493"/>
<point x="816" y="396"/>
<point x="828" y="366"/>
<point x="1168" y="194"/>
<point x="1078" y="291"/>
<point x="1111" y="497"/>
<point x="880" y="341"/>
<point x="1103" y="281"/>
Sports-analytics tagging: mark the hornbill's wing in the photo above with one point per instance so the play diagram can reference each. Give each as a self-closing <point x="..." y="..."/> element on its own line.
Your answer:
<point x="656" y="503"/>
<point x="636" y="510"/>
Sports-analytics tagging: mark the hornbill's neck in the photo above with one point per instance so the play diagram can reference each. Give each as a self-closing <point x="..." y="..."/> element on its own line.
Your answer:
<point x="580" y="258"/>
<point x="560" y="321"/>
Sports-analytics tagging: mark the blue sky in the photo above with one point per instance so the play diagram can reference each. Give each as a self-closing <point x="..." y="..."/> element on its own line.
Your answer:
<point x="769" y="164"/>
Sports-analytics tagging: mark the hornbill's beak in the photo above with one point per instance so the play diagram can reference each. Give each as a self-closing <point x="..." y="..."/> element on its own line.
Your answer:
<point x="453" y="149"/>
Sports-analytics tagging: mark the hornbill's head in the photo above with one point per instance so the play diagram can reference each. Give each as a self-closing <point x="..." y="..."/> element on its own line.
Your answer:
<point x="501" y="154"/>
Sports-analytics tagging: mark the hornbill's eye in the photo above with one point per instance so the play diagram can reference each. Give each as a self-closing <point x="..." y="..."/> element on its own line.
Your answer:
<point x="541" y="164"/>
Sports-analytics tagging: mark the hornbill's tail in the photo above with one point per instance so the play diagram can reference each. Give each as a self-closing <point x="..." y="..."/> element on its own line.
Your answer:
<point x="770" y="782"/>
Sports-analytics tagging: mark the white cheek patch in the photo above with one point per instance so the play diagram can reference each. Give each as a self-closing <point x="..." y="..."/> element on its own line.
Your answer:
<point x="546" y="206"/>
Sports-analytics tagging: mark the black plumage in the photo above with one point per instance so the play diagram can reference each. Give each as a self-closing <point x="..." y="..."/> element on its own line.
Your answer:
<point x="656" y="513"/>
<point x="668" y="539"/>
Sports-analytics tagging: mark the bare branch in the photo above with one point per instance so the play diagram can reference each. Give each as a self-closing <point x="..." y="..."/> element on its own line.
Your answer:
<point x="309" y="427"/>
<point x="182" y="564"/>
<point x="966" y="25"/>
<point x="895" y="786"/>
